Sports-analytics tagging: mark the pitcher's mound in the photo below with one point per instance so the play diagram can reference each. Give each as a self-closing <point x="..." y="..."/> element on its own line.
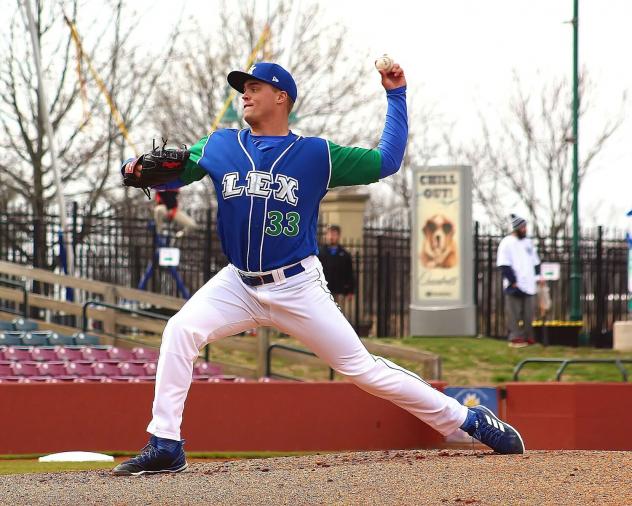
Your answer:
<point x="389" y="477"/>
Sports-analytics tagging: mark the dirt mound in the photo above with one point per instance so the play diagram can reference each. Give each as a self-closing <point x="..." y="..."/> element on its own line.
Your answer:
<point x="390" y="477"/>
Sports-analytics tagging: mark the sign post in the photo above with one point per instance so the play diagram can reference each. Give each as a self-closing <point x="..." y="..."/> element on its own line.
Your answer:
<point x="442" y="298"/>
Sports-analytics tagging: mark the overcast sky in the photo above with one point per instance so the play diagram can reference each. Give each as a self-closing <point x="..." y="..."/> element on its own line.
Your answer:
<point x="461" y="54"/>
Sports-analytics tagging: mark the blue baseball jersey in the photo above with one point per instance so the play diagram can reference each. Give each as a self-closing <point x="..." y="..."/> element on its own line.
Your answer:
<point x="269" y="188"/>
<point x="268" y="200"/>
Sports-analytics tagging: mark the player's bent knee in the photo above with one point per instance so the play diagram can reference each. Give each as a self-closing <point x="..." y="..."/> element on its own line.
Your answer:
<point x="179" y="337"/>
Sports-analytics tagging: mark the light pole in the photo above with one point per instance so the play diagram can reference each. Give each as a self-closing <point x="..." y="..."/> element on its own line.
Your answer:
<point x="576" y="276"/>
<point x="52" y="147"/>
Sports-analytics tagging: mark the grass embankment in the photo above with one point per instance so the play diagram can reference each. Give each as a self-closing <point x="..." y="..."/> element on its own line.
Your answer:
<point x="484" y="361"/>
<point x="465" y="361"/>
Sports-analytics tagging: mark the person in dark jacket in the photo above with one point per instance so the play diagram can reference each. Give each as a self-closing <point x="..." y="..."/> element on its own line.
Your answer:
<point x="337" y="266"/>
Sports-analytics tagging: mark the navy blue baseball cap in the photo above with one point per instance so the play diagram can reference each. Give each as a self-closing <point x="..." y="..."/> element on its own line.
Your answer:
<point x="266" y="72"/>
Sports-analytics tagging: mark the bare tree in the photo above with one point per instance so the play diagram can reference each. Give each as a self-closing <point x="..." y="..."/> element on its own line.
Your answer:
<point x="81" y="119"/>
<point x="527" y="162"/>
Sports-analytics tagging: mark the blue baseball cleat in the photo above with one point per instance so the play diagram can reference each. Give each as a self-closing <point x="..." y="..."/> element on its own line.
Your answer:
<point x="485" y="426"/>
<point x="159" y="456"/>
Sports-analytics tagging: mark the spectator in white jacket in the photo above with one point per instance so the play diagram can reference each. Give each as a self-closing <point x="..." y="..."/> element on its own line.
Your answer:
<point x="518" y="260"/>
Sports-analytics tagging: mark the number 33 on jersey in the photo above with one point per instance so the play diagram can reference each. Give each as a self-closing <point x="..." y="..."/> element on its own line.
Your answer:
<point x="268" y="193"/>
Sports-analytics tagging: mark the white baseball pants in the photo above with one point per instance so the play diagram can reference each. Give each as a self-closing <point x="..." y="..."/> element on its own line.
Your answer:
<point x="302" y="307"/>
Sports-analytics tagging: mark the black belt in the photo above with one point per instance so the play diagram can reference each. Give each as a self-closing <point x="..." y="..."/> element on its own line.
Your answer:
<point x="257" y="280"/>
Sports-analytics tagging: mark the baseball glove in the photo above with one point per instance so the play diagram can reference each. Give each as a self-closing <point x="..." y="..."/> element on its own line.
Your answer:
<point x="160" y="166"/>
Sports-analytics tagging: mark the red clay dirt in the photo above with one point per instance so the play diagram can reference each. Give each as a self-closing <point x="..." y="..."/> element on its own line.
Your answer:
<point x="386" y="477"/>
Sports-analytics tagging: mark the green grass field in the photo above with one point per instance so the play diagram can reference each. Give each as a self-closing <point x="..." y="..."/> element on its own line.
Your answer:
<point x="15" y="466"/>
<point x="484" y="361"/>
<point x="465" y="361"/>
<point x="23" y="464"/>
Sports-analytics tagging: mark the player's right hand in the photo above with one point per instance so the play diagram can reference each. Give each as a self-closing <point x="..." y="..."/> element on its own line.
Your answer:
<point x="394" y="78"/>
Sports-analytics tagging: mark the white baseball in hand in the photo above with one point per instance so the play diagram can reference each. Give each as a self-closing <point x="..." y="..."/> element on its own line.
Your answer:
<point x="384" y="62"/>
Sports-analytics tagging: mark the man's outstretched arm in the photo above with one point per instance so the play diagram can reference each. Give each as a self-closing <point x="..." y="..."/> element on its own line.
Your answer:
<point x="354" y="166"/>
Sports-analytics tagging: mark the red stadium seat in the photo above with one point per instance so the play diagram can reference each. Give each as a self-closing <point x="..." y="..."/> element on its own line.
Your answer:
<point x="81" y="369"/>
<point x="206" y="368"/>
<point x="105" y="369"/>
<point x="69" y="353"/>
<point x="25" y="368"/>
<point x="5" y="369"/>
<point x="43" y="354"/>
<point x="52" y="368"/>
<point x="95" y="354"/>
<point x="148" y="354"/>
<point x="150" y="368"/>
<point x="18" y="353"/>
<point x="121" y="354"/>
<point x="129" y="369"/>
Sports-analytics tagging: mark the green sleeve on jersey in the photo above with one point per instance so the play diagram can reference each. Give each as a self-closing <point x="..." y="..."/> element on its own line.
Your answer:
<point x="192" y="171"/>
<point x="353" y="166"/>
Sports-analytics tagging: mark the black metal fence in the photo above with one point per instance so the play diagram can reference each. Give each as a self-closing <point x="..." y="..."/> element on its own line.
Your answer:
<point x="604" y="296"/>
<point x="117" y="247"/>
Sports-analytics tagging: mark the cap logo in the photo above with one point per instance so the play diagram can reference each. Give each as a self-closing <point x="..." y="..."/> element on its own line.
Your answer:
<point x="252" y="69"/>
<point x="274" y="79"/>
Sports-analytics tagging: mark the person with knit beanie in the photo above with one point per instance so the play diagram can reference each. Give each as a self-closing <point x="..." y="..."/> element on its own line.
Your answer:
<point x="519" y="263"/>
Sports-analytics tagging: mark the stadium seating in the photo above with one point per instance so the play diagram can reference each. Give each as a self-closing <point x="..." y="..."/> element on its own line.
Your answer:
<point x="121" y="354"/>
<point x="105" y="369"/>
<point x="17" y="353"/>
<point x="43" y="353"/>
<point x="5" y="325"/>
<point x="11" y="338"/>
<point x="129" y="369"/>
<point x="52" y="368"/>
<point x="26" y="325"/>
<point x="61" y="340"/>
<point x="85" y="339"/>
<point x="69" y="353"/>
<point x="95" y="354"/>
<point x="5" y="368"/>
<point x="53" y="364"/>
<point x="25" y="368"/>
<point x="146" y="354"/>
<point x="37" y="338"/>
<point x="80" y="369"/>
<point x="207" y="369"/>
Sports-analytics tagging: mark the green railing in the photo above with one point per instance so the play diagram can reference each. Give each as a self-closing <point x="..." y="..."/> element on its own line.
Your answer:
<point x="272" y="347"/>
<point x="98" y="303"/>
<point x="565" y="362"/>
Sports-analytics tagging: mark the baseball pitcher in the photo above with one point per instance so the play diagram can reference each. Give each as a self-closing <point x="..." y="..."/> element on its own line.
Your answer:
<point x="269" y="183"/>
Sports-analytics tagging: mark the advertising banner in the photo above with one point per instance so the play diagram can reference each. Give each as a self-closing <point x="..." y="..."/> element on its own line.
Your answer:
<point x="442" y="290"/>
<point x="438" y="246"/>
